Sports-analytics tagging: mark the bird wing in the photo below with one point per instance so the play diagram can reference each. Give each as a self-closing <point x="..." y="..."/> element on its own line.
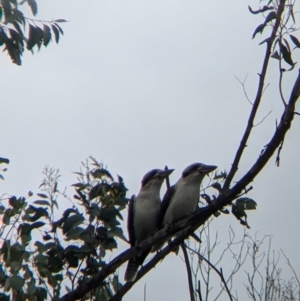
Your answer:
<point x="165" y="204"/>
<point x="130" y="227"/>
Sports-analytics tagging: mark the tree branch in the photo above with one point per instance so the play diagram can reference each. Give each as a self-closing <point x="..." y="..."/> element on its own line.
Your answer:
<point x="257" y="100"/>
<point x="189" y="272"/>
<point x="198" y="218"/>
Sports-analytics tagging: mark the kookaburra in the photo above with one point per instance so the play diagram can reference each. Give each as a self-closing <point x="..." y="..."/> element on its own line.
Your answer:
<point x="182" y="198"/>
<point x="143" y="216"/>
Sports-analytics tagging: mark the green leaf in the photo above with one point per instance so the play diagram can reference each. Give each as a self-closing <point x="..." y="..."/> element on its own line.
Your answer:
<point x="259" y="29"/>
<point x="27" y="272"/>
<point x="217" y="186"/>
<point x="47" y="35"/>
<point x="59" y="277"/>
<point x="99" y="173"/>
<point x="2" y="209"/>
<point x="31" y="289"/>
<point x="276" y="55"/>
<point x="56" y="33"/>
<point x="286" y="54"/>
<point x="116" y="284"/>
<point x="39" y="37"/>
<point x="238" y="211"/>
<point x="116" y="232"/>
<point x="33" y="6"/>
<point x="16" y="203"/>
<point x="265" y="8"/>
<point x="12" y="253"/>
<point x="42" y="202"/>
<point x="295" y="40"/>
<point x="271" y="16"/>
<point x="74" y="234"/>
<point x="41" y="294"/>
<point x="47" y="237"/>
<point x="13" y="51"/>
<point x="42" y="195"/>
<point x="37" y="225"/>
<point x="98" y="190"/>
<point x="18" y="16"/>
<point x="6" y="6"/>
<point x="59" y="28"/>
<point x="60" y="20"/>
<point x="94" y="210"/>
<point x="42" y="248"/>
<point x="121" y="201"/>
<point x="3" y="38"/>
<point x="246" y="204"/>
<point x="15" y="266"/>
<point x="71" y="222"/>
<point x="4" y="160"/>
<point x="33" y="213"/>
<point x="7" y="215"/>
<point x="87" y="236"/>
<point x="81" y="186"/>
<point x="32" y="37"/>
<point x="16" y="282"/>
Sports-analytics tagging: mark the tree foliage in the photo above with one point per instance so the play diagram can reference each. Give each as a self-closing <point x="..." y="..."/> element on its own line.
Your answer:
<point x="47" y="253"/>
<point x="18" y="32"/>
<point x="42" y="250"/>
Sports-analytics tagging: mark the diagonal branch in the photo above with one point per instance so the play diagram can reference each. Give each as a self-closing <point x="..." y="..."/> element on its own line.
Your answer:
<point x="257" y="100"/>
<point x="198" y="218"/>
<point x="279" y="135"/>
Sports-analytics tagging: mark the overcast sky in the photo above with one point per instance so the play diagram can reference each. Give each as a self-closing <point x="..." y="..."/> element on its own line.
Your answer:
<point x="144" y="84"/>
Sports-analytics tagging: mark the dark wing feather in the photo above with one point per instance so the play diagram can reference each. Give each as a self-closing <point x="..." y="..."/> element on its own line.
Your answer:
<point x="165" y="204"/>
<point x="130" y="218"/>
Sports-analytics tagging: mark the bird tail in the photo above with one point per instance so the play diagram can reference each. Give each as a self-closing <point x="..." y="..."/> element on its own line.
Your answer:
<point x="131" y="270"/>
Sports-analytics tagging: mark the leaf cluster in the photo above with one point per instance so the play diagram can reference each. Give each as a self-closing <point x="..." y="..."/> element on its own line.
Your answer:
<point x="43" y="249"/>
<point x="281" y="50"/>
<point x="238" y="208"/>
<point x="18" y="32"/>
<point x="3" y="161"/>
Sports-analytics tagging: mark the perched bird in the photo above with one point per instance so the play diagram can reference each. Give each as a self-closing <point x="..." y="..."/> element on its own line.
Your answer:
<point x="182" y="198"/>
<point x="143" y="216"/>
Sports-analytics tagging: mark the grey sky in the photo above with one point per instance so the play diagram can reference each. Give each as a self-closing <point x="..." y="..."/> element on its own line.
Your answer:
<point x="129" y="78"/>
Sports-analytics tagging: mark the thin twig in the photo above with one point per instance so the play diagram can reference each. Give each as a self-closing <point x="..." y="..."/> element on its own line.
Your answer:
<point x="278" y="153"/>
<point x="189" y="271"/>
<point x="199" y="291"/>
<point x="244" y="89"/>
<point x="295" y="274"/>
<point x="262" y="119"/>
<point x="220" y="273"/>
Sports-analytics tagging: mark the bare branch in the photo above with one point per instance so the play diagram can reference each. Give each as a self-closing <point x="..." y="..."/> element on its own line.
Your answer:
<point x="244" y="89"/>
<point x="257" y="100"/>
<point x="262" y="119"/>
<point x="189" y="271"/>
<point x="220" y="273"/>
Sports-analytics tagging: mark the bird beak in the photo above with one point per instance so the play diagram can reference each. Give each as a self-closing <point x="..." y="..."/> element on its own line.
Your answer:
<point x="166" y="173"/>
<point x="208" y="168"/>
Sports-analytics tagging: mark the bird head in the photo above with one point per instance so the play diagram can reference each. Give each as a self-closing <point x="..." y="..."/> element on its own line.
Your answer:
<point x="197" y="171"/>
<point x="155" y="177"/>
